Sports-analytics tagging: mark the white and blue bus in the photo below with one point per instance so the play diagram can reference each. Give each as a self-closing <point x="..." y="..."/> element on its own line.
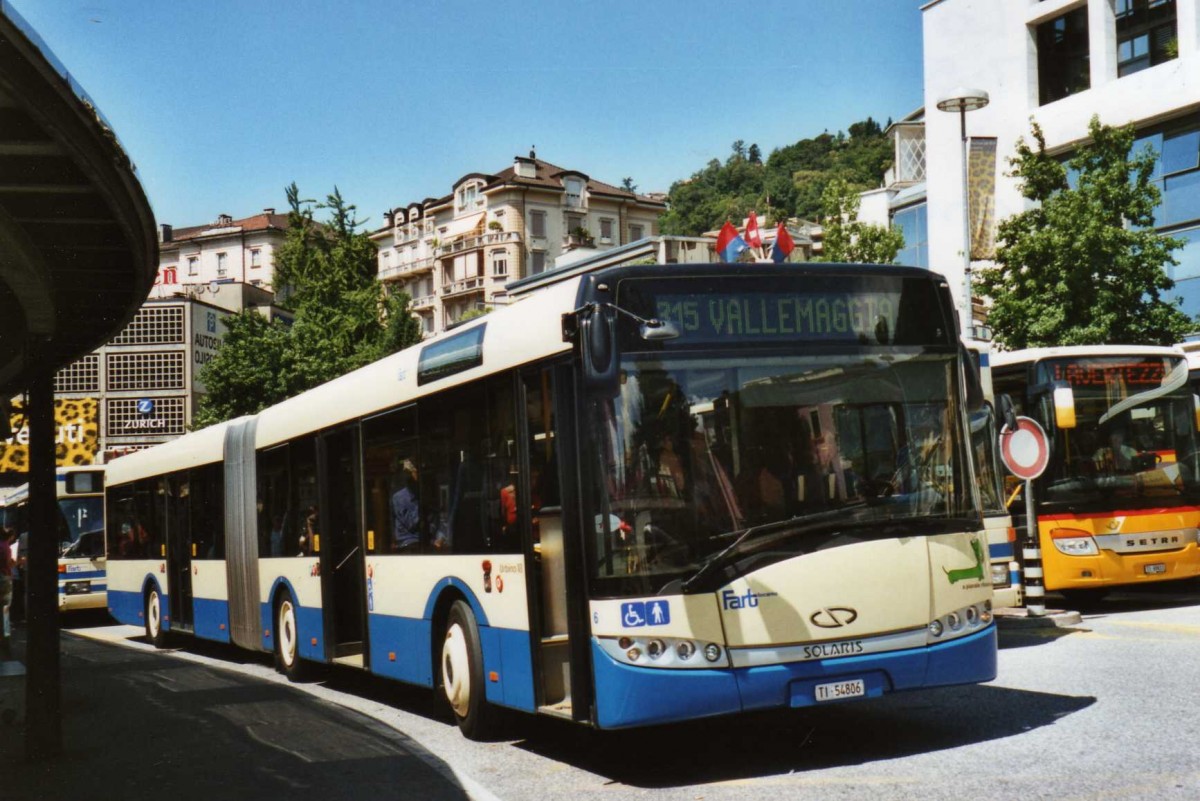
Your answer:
<point x="997" y="521"/>
<point x="646" y="494"/>
<point x="82" y="583"/>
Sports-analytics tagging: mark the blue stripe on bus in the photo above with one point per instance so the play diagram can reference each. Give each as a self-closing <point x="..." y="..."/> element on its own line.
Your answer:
<point x="1001" y="550"/>
<point x="126" y="607"/>
<point x="210" y="619"/>
<point x="630" y="696"/>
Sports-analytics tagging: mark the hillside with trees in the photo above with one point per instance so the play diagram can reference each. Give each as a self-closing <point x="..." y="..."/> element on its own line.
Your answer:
<point x="789" y="183"/>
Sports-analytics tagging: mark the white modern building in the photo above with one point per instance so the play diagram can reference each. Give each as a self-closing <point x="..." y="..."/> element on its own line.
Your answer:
<point x="1060" y="62"/>
<point x="454" y="254"/>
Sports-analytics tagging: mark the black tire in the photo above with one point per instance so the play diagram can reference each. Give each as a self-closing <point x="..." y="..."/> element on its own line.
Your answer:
<point x="155" y="634"/>
<point x="287" y="641"/>
<point x="461" y="674"/>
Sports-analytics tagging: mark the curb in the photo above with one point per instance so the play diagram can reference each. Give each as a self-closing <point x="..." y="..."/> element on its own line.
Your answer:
<point x="1019" y="618"/>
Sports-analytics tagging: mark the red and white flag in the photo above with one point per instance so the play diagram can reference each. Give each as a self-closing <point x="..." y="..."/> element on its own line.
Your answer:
<point x="753" y="237"/>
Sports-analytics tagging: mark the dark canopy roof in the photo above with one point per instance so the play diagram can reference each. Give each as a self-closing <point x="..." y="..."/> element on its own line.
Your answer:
<point x="78" y="250"/>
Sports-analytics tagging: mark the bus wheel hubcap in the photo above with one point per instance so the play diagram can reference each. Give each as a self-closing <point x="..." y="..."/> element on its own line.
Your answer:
<point x="287" y="632"/>
<point x="456" y="674"/>
<point x="152" y="614"/>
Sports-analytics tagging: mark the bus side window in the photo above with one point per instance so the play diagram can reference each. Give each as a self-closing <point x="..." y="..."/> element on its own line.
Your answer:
<point x="274" y="519"/>
<point x="390" y="479"/>
<point x="208" y="511"/>
<point x="454" y="495"/>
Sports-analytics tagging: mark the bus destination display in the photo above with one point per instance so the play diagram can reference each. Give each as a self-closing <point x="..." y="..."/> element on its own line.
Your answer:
<point x="752" y="315"/>
<point x="1104" y="372"/>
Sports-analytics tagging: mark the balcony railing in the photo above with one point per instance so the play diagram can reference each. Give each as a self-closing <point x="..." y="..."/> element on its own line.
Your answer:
<point x="465" y="285"/>
<point x="478" y="241"/>
<point x="405" y="269"/>
<point x="423" y="303"/>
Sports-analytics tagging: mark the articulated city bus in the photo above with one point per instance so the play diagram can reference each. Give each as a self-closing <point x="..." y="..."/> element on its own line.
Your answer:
<point x="997" y="522"/>
<point x="80" y="530"/>
<point x="646" y="494"/>
<point x="1119" y="502"/>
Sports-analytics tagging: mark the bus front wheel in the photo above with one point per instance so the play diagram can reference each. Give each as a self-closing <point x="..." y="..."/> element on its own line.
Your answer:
<point x="287" y="641"/>
<point x="154" y="621"/>
<point x="462" y="674"/>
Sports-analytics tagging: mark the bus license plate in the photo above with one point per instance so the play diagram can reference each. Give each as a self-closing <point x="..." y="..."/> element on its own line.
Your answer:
<point x="1156" y="568"/>
<point x="841" y="689"/>
<point x="79" y="587"/>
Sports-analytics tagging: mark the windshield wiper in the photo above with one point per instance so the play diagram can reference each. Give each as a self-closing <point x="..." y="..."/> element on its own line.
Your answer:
<point x="718" y="559"/>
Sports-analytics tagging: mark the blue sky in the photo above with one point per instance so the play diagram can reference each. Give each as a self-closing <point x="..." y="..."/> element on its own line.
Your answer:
<point x="221" y="103"/>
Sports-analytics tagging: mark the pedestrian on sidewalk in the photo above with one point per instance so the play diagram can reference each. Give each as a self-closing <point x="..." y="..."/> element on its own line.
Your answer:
<point x="8" y="537"/>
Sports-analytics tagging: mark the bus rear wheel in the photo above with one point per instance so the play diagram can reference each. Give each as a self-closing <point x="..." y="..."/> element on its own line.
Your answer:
<point x="155" y="634"/>
<point x="462" y="674"/>
<point x="287" y="641"/>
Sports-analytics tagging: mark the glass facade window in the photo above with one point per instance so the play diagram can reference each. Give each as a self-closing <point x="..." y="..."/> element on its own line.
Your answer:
<point x="913" y="222"/>
<point x="1063" y="58"/>
<point x="1146" y="34"/>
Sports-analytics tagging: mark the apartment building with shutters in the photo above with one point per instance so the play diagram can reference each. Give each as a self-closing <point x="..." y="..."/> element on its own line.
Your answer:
<point x="455" y="254"/>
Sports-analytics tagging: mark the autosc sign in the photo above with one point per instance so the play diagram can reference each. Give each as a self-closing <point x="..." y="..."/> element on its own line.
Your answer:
<point x="1025" y="450"/>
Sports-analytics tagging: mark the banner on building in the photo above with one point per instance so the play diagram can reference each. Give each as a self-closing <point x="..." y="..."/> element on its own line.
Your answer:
<point x="77" y="434"/>
<point x="981" y="193"/>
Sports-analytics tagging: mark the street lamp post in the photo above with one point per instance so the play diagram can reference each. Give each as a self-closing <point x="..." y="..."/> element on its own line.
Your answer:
<point x="963" y="100"/>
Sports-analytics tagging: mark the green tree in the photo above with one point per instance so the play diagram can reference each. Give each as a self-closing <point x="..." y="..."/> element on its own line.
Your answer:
<point x="1085" y="265"/>
<point x="848" y="239"/>
<point x="325" y="273"/>
<point x="252" y="370"/>
<point x="788" y="183"/>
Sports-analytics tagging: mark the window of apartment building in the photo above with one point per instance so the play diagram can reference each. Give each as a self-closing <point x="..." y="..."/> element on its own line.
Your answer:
<point x="606" y="229"/>
<point x="222" y="265"/>
<point x="574" y="187"/>
<point x="1146" y="34"/>
<point x="574" y="223"/>
<point x="537" y="262"/>
<point x="255" y="257"/>
<point x="467" y="195"/>
<point x="537" y="224"/>
<point x="913" y="223"/>
<point x="193" y="265"/>
<point x="499" y="263"/>
<point x="636" y="232"/>
<point x="1063" y="61"/>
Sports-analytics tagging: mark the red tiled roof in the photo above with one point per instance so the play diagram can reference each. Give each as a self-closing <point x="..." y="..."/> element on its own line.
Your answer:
<point x="259" y="222"/>
<point x="547" y="176"/>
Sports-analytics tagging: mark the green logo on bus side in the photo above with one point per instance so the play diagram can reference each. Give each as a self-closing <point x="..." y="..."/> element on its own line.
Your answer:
<point x="965" y="573"/>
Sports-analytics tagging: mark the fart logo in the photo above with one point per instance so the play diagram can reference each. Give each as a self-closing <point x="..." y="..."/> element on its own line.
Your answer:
<point x="746" y="600"/>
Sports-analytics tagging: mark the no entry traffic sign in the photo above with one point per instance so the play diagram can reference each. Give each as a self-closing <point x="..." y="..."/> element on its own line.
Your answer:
<point x="1026" y="450"/>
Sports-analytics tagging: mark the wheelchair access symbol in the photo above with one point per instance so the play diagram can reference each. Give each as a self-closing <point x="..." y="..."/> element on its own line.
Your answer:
<point x="645" y="613"/>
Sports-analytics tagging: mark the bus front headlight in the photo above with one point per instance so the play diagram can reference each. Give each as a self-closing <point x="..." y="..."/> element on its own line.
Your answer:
<point x="1074" y="542"/>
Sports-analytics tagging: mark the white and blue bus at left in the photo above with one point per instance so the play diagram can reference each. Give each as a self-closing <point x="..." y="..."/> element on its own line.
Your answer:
<point x="646" y="494"/>
<point x="82" y="580"/>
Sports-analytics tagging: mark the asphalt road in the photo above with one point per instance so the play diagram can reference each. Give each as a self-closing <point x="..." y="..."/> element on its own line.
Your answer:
<point x="1105" y="710"/>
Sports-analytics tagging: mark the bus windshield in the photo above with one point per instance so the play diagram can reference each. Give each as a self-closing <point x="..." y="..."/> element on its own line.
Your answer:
<point x="697" y="450"/>
<point x="1134" y="443"/>
<point x="987" y="464"/>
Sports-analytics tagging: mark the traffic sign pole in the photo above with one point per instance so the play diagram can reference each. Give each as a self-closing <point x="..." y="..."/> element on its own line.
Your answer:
<point x="1035" y="590"/>
<point x="1025" y="451"/>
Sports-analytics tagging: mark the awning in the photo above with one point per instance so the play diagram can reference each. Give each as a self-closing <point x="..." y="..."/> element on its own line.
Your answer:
<point x="76" y="231"/>
<point x="471" y="224"/>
